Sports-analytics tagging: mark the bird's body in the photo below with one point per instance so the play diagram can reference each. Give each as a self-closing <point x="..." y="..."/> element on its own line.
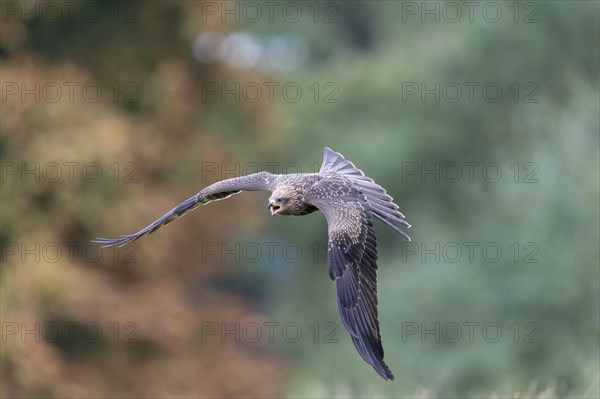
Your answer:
<point x="349" y="200"/>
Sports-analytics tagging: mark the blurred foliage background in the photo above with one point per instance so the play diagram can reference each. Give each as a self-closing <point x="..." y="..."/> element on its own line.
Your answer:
<point x="159" y="127"/>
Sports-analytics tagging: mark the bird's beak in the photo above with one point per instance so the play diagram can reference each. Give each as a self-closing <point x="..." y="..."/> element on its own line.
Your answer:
<point x="273" y="208"/>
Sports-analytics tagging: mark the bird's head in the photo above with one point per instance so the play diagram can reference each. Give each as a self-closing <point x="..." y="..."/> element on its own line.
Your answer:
<point x="278" y="205"/>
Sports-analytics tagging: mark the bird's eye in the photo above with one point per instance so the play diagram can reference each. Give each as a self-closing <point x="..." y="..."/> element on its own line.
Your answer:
<point x="280" y="200"/>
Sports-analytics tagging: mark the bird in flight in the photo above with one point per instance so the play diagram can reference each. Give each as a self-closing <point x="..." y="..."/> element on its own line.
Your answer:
<point x="349" y="200"/>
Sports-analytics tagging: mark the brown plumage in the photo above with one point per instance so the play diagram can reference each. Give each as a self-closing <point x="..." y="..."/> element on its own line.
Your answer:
<point x="349" y="200"/>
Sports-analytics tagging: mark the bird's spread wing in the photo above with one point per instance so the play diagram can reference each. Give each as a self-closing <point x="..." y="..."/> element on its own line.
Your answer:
<point x="382" y="205"/>
<point x="352" y="258"/>
<point x="262" y="181"/>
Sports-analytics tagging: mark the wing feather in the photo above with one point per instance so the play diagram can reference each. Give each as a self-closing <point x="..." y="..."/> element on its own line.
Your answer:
<point x="352" y="258"/>
<point x="262" y="181"/>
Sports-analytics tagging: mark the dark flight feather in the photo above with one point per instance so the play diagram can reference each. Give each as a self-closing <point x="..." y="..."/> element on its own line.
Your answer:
<point x="352" y="258"/>
<point x="262" y="181"/>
